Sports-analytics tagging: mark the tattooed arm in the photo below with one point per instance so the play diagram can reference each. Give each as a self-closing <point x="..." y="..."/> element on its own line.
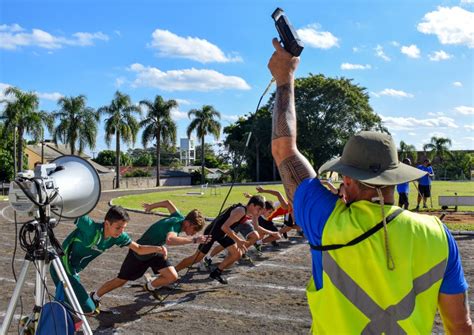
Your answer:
<point x="293" y="166"/>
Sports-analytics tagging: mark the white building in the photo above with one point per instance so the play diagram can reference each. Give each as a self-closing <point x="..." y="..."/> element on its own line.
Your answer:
<point x="187" y="151"/>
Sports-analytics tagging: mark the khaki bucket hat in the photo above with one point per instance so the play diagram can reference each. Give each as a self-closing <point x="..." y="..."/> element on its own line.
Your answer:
<point x="372" y="158"/>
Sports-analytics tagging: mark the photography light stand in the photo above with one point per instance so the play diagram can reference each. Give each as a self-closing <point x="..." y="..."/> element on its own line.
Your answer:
<point x="42" y="255"/>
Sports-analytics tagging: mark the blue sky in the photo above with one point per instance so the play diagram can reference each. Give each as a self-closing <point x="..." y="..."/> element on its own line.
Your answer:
<point x="414" y="57"/>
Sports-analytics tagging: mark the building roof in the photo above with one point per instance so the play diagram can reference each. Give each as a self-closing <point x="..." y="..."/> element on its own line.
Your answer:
<point x="52" y="151"/>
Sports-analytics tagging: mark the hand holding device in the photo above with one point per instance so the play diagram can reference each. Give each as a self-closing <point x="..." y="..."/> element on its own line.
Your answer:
<point x="288" y="36"/>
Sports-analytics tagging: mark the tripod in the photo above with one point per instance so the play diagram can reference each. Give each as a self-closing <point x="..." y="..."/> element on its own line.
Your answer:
<point x="42" y="254"/>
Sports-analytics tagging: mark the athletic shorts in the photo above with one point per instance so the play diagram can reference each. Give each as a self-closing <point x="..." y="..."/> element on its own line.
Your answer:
<point x="244" y="228"/>
<point x="289" y="220"/>
<point x="425" y="190"/>
<point x="268" y="225"/>
<point x="133" y="268"/>
<point x="402" y="199"/>
<point x="217" y="236"/>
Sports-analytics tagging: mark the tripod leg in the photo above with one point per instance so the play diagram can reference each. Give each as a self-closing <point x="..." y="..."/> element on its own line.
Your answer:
<point x="40" y="291"/>
<point x="58" y="266"/>
<point x="14" y="299"/>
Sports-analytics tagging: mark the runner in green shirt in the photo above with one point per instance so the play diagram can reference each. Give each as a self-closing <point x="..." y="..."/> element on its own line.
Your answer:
<point x="165" y="231"/>
<point x="89" y="240"/>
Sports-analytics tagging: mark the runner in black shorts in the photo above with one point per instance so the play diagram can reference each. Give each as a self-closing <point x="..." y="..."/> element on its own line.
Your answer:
<point x="221" y="232"/>
<point x="165" y="231"/>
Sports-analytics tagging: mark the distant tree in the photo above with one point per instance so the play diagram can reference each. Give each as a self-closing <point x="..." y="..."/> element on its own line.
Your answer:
<point x="6" y="155"/>
<point x="407" y="151"/>
<point x="77" y="124"/>
<point x="204" y="122"/>
<point x="121" y="123"/>
<point x="210" y="157"/>
<point x="159" y="126"/>
<point x="459" y="165"/>
<point x="258" y="155"/>
<point x="438" y="147"/>
<point x="145" y="159"/>
<point x="22" y="117"/>
<point x="107" y="158"/>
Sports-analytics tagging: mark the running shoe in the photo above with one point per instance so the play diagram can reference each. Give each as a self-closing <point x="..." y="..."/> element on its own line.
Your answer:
<point x="154" y="292"/>
<point x="217" y="275"/>
<point x="96" y="303"/>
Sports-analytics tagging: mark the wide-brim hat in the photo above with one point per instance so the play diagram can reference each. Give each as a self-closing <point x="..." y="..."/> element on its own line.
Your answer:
<point x="372" y="158"/>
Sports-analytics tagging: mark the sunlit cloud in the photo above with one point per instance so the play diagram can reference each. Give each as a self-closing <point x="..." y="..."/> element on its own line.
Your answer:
<point x="314" y="38"/>
<point x="169" y="44"/>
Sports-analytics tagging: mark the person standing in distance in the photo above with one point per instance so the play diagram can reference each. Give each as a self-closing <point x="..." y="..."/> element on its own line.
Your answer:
<point x="424" y="183"/>
<point x="369" y="279"/>
<point x="403" y="189"/>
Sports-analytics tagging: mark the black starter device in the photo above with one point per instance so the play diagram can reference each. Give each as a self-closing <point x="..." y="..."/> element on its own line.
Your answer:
<point x="288" y="36"/>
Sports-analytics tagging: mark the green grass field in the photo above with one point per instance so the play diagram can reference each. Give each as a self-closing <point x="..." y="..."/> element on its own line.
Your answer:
<point x="210" y="202"/>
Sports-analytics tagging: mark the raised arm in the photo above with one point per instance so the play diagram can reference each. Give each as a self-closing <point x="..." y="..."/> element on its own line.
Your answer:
<point x="161" y="204"/>
<point x="280" y="197"/>
<point x="293" y="166"/>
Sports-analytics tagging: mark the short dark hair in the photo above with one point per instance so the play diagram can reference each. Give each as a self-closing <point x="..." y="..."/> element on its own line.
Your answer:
<point x="257" y="200"/>
<point x="269" y="205"/>
<point x="196" y="218"/>
<point x="117" y="213"/>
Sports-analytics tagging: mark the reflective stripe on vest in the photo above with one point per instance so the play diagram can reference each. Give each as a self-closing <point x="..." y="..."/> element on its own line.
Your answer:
<point x="381" y="320"/>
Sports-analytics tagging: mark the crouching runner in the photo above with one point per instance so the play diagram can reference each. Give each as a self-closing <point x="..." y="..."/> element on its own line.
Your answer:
<point x="88" y="241"/>
<point x="165" y="231"/>
<point x="221" y="231"/>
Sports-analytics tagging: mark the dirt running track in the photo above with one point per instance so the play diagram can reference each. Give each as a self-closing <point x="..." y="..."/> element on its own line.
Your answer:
<point x="265" y="298"/>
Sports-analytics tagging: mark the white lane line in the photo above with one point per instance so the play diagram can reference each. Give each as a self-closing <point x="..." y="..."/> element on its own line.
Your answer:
<point x="10" y="280"/>
<point x="273" y="317"/>
<point x="2" y="213"/>
<point x="270" y="286"/>
<point x="283" y="266"/>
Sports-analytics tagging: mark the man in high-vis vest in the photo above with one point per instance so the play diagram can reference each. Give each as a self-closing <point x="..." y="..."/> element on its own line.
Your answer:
<point x="375" y="267"/>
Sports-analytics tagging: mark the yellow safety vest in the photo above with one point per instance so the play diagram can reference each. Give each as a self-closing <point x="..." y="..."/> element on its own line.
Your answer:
<point x="359" y="294"/>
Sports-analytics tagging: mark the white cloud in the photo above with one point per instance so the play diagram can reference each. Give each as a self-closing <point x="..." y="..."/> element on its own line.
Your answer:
<point x="200" y="50"/>
<point x="457" y="84"/>
<point x="411" y="123"/>
<point x="231" y="118"/>
<point x="412" y="134"/>
<point x="314" y="38"/>
<point x="55" y="96"/>
<point x="349" y="66"/>
<point x="439" y="55"/>
<point x="176" y="114"/>
<point x="395" y="44"/>
<point x="467" y="2"/>
<point x="411" y="51"/>
<point x="451" y="26"/>
<point x="469" y="127"/>
<point x="465" y="110"/>
<point x="14" y="36"/>
<point x="119" y="82"/>
<point x="3" y="87"/>
<point x="394" y="93"/>
<point x="185" y="80"/>
<point x="436" y="114"/>
<point x="380" y="53"/>
<point x="183" y="101"/>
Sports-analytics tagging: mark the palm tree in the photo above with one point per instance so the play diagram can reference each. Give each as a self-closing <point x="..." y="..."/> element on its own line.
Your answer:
<point x="159" y="126"/>
<point x="204" y="124"/>
<point x="120" y="123"/>
<point x="407" y="151"/>
<point x="77" y="124"/>
<point x="22" y="117"/>
<point x="438" y="147"/>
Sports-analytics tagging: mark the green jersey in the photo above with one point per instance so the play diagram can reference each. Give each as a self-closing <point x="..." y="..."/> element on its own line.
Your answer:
<point x="156" y="234"/>
<point x="87" y="242"/>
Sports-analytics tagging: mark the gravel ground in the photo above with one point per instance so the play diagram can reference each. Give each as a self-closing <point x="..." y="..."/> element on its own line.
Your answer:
<point x="264" y="298"/>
